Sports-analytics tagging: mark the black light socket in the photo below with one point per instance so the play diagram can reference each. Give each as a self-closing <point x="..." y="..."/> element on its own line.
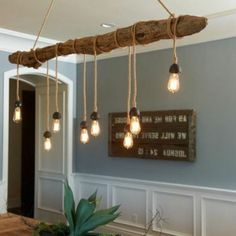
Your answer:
<point x="47" y="134"/>
<point x="56" y="115"/>
<point x="94" y="116"/>
<point x="175" y="69"/>
<point x="18" y="104"/>
<point x="134" y="112"/>
<point x="83" y="125"/>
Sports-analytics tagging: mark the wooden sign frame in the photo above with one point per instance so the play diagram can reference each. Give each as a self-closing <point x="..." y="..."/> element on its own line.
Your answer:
<point x="165" y="135"/>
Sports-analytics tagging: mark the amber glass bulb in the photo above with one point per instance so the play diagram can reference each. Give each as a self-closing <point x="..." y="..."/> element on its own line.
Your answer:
<point x="84" y="136"/>
<point x="128" y="140"/>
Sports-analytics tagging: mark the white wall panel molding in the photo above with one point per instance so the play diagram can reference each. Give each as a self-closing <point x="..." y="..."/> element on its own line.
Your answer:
<point x="47" y="196"/>
<point x="218" y="216"/>
<point x="3" y="197"/>
<point x="187" y="210"/>
<point x="11" y="41"/>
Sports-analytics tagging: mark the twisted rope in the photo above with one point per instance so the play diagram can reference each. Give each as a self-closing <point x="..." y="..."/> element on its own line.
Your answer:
<point x="47" y="99"/>
<point x="56" y="75"/>
<point x="95" y="108"/>
<point x="84" y="89"/>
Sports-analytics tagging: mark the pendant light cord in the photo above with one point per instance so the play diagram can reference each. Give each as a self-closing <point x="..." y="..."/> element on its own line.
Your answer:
<point x="173" y="35"/>
<point x="44" y="22"/>
<point x="95" y="108"/>
<point x="18" y="76"/>
<point x="135" y="92"/>
<point x="129" y="84"/>
<point x="166" y="8"/>
<point x="84" y="89"/>
<point x="18" y="83"/>
<point x="57" y="82"/>
<point x="47" y="100"/>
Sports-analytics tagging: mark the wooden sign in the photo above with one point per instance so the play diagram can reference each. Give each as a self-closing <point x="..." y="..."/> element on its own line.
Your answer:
<point x="167" y="135"/>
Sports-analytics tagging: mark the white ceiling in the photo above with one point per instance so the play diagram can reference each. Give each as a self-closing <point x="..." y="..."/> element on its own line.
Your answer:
<point x="78" y="18"/>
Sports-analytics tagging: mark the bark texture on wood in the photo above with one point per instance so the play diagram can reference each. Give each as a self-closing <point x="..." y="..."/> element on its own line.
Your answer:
<point x="145" y="33"/>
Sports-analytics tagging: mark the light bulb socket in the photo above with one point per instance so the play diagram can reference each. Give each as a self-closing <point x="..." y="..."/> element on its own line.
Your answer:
<point x="83" y="125"/>
<point x="18" y="104"/>
<point x="127" y="128"/>
<point x="175" y="69"/>
<point x="56" y="115"/>
<point x="94" y="116"/>
<point x="47" y="134"/>
<point x="134" y="112"/>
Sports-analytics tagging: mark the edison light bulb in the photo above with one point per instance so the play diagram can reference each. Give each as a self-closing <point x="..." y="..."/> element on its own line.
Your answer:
<point x="173" y="83"/>
<point x="17" y="115"/>
<point x="56" y="126"/>
<point x="47" y="144"/>
<point x="47" y="140"/>
<point x="84" y="136"/>
<point x="95" y="128"/>
<point x="128" y="140"/>
<point x="135" y="126"/>
<point x="56" y="122"/>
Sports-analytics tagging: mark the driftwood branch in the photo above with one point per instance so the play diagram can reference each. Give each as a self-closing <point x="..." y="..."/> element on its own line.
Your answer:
<point x="146" y="32"/>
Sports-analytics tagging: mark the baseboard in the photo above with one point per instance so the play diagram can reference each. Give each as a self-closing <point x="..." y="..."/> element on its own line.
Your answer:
<point x="188" y="210"/>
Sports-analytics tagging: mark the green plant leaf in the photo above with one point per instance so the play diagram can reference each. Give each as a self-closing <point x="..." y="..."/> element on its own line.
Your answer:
<point x="84" y="211"/>
<point x="69" y="206"/>
<point x="93" y="197"/>
<point x="95" y="221"/>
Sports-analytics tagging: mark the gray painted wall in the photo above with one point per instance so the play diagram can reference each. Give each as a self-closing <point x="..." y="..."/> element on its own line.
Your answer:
<point x="67" y="69"/>
<point x="208" y="84"/>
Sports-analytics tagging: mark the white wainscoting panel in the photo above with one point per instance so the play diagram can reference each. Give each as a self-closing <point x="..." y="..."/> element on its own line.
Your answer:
<point x="187" y="210"/>
<point x="131" y="213"/>
<point x="50" y="199"/>
<point x="218" y="216"/>
<point x="181" y="223"/>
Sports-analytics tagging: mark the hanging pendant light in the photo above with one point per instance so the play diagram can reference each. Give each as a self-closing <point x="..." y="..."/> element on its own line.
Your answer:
<point x="135" y="126"/>
<point x="47" y="134"/>
<point x="17" y="116"/>
<point x="173" y="83"/>
<point x="84" y="134"/>
<point x="95" y="126"/>
<point x="56" y="115"/>
<point x="47" y="140"/>
<point x="128" y="138"/>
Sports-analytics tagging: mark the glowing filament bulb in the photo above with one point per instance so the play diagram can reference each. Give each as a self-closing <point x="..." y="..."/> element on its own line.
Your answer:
<point x="56" y="126"/>
<point x="95" y="128"/>
<point x="128" y="140"/>
<point x="56" y="122"/>
<point x="135" y="126"/>
<point x="84" y="136"/>
<point x="173" y="83"/>
<point x="47" y="144"/>
<point x="17" y="115"/>
<point x="47" y="141"/>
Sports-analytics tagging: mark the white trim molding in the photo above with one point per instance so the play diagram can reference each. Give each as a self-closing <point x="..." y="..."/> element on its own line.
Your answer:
<point x="187" y="210"/>
<point x="12" y="41"/>
<point x="69" y="134"/>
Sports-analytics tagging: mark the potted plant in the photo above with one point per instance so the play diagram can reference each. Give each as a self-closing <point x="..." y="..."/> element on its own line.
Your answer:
<point x="82" y="219"/>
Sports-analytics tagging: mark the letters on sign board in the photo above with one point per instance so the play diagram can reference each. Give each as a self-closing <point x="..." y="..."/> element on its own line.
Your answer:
<point x="167" y="135"/>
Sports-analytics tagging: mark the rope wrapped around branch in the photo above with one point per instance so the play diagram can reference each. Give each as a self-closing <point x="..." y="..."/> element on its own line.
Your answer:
<point x="145" y="33"/>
